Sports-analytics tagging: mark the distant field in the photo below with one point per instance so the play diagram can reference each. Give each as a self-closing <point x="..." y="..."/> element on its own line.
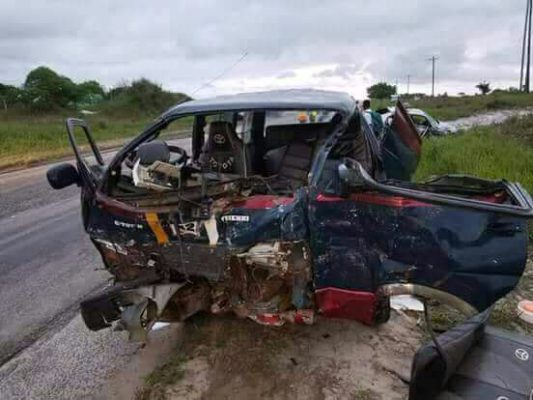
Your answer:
<point x="498" y="151"/>
<point x="449" y="108"/>
<point x="27" y="139"/>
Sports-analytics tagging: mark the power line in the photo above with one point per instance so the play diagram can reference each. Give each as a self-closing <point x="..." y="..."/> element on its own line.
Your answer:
<point x="433" y="59"/>
<point x="242" y="57"/>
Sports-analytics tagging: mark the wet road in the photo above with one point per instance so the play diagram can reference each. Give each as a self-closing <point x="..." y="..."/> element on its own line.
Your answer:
<point x="47" y="265"/>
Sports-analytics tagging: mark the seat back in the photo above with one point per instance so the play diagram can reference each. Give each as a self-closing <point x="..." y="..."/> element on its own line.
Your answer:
<point x="296" y="163"/>
<point x="222" y="151"/>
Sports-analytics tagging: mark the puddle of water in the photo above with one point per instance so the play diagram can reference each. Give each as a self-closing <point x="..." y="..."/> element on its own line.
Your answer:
<point x="490" y="118"/>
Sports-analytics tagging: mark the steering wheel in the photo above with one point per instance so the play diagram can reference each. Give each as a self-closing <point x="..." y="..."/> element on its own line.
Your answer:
<point x="178" y="156"/>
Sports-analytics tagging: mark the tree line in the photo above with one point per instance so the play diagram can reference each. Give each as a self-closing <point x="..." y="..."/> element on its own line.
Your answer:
<point x="45" y="90"/>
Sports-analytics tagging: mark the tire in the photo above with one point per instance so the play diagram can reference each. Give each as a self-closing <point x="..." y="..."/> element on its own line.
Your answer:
<point x="382" y="314"/>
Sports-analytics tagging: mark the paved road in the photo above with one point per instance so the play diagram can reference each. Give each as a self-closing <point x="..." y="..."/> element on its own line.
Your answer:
<point x="47" y="264"/>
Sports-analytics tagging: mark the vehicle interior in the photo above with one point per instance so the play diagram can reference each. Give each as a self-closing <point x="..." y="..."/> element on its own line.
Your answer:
<point x="268" y="152"/>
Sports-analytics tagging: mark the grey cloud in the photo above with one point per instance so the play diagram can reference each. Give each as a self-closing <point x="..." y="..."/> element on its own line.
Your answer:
<point x="183" y="44"/>
<point x="286" y="75"/>
<point x="342" y="71"/>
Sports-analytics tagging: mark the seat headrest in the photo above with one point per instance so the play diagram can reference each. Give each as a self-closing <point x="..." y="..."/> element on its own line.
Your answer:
<point x="219" y="134"/>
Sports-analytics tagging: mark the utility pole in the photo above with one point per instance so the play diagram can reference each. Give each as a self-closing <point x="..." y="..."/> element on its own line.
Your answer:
<point x="433" y="59"/>
<point x="408" y="82"/>
<point x="523" y="56"/>
<point x="528" y="63"/>
<point x="525" y="68"/>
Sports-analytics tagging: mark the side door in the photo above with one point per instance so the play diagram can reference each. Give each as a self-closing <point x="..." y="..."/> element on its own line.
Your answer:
<point x="89" y="168"/>
<point x="90" y="164"/>
<point x="401" y="145"/>
<point x="461" y="240"/>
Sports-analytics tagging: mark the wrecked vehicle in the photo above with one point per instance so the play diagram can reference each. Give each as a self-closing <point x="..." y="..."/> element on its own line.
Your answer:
<point x="425" y="124"/>
<point x="276" y="220"/>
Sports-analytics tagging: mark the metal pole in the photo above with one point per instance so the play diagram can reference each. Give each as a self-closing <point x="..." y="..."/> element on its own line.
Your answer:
<point x="408" y="82"/>
<point x="528" y="63"/>
<point x="521" y="86"/>
<point x="433" y="59"/>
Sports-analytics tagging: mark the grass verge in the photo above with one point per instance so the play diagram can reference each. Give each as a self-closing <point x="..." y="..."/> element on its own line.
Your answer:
<point x="29" y="139"/>
<point x="495" y="152"/>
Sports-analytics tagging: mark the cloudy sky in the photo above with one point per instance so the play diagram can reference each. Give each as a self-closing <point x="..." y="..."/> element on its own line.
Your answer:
<point x="250" y="45"/>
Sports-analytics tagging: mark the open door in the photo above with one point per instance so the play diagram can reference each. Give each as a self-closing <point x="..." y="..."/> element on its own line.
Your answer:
<point x="91" y="167"/>
<point x="401" y="146"/>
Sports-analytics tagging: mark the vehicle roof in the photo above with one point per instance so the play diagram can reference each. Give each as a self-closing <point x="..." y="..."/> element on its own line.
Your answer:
<point x="292" y="99"/>
<point x="416" y="111"/>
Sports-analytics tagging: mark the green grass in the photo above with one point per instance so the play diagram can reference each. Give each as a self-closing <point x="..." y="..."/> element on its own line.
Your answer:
<point x="499" y="151"/>
<point x="27" y="139"/>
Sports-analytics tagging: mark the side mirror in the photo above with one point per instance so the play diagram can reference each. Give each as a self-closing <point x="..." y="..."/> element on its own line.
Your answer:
<point x="62" y="175"/>
<point x="352" y="173"/>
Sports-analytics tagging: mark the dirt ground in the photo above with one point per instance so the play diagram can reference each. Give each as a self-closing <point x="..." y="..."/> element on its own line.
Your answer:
<point x="228" y="358"/>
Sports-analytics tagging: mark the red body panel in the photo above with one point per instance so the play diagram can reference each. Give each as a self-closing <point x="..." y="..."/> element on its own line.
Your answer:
<point x="341" y="303"/>
<point x="262" y="202"/>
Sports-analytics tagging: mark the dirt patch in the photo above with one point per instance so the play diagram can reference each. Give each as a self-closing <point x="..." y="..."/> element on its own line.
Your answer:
<point x="123" y="384"/>
<point x="505" y="313"/>
<point x="227" y="358"/>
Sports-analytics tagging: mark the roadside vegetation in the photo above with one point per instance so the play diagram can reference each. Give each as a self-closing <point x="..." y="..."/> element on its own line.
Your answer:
<point x="446" y="108"/>
<point x="453" y="107"/>
<point x="32" y="117"/>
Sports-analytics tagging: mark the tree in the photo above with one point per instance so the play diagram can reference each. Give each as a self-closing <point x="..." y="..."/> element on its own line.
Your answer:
<point x="90" y="92"/>
<point x="10" y="95"/>
<point x="381" y="90"/>
<point x="45" y="89"/>
<point x="143" y="95"/>
<point x="484" y="87"/>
